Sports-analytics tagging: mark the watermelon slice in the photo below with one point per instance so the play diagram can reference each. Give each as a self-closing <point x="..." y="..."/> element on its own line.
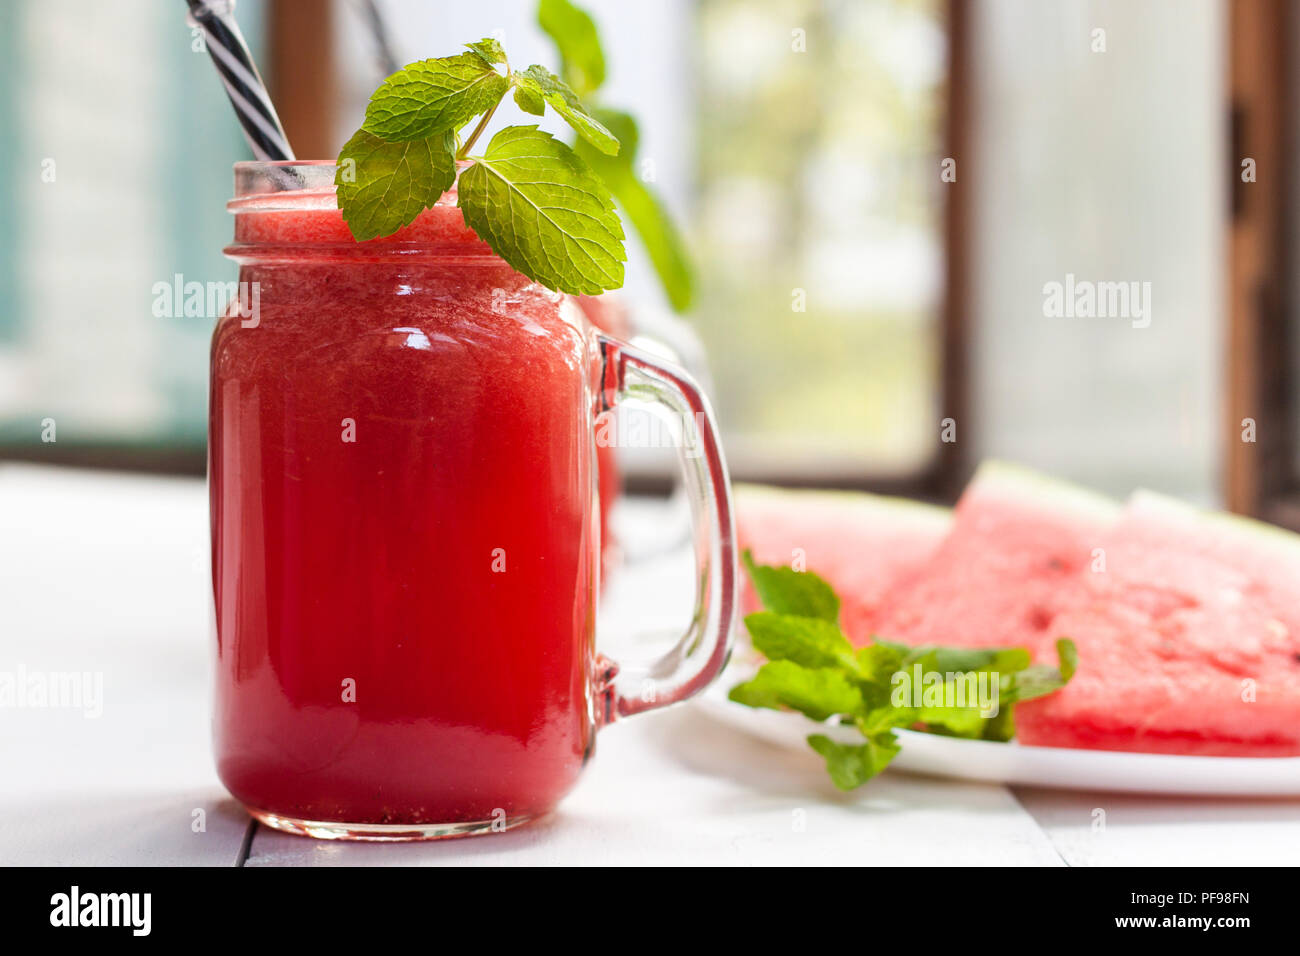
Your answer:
<point x="1009" y="566"/>
<point x="1187" y="624"/>
<point x="864" y="545"/>
<point x="1189" y="640"/>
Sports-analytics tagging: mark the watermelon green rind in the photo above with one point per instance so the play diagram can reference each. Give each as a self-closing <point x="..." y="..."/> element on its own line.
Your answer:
<point x="853" y="500"/>
<point x="1248" y="531"/>
<point x="1044" y="489"/>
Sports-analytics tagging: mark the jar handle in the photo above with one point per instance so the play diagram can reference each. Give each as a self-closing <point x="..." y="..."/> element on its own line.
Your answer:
<point x="628" y="373"/>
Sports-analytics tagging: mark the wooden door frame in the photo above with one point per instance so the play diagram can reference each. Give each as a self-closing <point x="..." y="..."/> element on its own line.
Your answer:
<point x="1260" y="475"/>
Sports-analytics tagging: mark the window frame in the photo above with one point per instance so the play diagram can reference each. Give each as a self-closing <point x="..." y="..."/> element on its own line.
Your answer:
<point x="1261" y="477"/>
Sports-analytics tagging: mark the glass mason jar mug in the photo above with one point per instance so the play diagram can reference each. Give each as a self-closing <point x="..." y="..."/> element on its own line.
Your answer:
<point x="404" y="525"/>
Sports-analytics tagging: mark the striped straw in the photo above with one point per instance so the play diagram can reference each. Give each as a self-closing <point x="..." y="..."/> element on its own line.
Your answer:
<point x="239" y="75"/>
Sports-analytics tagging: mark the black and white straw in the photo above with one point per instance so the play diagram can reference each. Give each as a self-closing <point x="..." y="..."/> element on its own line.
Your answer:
<point x="239" y="75"/>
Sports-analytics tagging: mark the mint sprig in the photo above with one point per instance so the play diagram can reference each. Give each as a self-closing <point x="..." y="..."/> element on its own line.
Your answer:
<point x="812" y="668"/>
<point x="530" y="197"/>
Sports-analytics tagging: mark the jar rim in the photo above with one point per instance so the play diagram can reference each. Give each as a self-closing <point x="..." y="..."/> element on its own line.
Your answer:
<point x="256" y="181"/>
<point x="307" y="186"/>
<point x="277" y="185"/>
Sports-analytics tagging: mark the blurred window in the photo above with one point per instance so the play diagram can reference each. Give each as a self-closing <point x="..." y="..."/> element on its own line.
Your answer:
<point x="820" y="230"/>
<point x="114" y="172"/>
<point x="1097" y="151"/>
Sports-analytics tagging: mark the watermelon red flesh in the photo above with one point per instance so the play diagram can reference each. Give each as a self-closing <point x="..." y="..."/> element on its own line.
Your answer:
<point x="1009" y="566"/>
<point x="864" y="545"/>
<point x="1189" y="608"/>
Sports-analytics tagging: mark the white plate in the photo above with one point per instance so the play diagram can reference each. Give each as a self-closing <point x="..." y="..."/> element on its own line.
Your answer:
<point x="1035" y="766"/>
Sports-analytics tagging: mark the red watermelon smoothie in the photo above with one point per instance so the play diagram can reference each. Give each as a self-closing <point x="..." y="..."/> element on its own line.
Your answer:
<point x="404" y="532"/>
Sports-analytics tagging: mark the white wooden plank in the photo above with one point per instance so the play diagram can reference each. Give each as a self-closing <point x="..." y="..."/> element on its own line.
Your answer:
<point x="105" y="575"/>
<point x="678" y="788"/>
<point x="147" y="828"/>
<point x="1111" y="829"/>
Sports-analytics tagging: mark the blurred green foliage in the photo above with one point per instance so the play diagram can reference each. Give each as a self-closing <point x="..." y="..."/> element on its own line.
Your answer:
<point x="820" y="138"/>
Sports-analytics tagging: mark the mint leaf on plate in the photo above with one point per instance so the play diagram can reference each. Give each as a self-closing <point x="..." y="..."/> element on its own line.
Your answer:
<point x="382" y="186"/>
<point x="539" y="83"/>
<point x="434" y="96"/>
<point x="542" y="210"/>
<point x="818" y="693"/>
<point x="808" y="641"/>
<point x="582" y="61"/>
<point x="1042" y="679"/>
<point x="787" y="591"/>
<point x="851" y="766"/>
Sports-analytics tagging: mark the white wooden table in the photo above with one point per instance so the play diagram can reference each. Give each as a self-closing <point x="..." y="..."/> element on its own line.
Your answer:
<point x="107" y="574"/>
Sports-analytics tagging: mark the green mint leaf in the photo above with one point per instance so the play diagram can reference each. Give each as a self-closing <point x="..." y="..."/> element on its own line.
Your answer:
<point x="528" y="99"/>
<point x="947" y="689"/>
<point x="543" y="210"/>
<point x="490" y="49"/>
<point x="659" y="236"/>
<point x="850" y="766"/>
<point x="1006" y="660"/>
<point x="1067" y="656"/>
<point x="644" y="210"/>
<point x="876" y="666"/>
<point x="878" y="661"/>
<point x="1036" y="681"/>
<point x="807" y="641"/>
<point x="815" y="693"/>
<point x="878" y="719"/>
<point x="582" y="61"/>
<point x="539" y="82"/>
<point x="1002" y="727"/>
<point x="434" y="96"/>
<point x="624" y="126"/>
<point x="959" y="720"/>
<point x="1043" y="679"/>
<point x="787" y="591"/>
<point x="945" y="700"/>
<point x="383" y="186"/>
<point x="951" y="659"/>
